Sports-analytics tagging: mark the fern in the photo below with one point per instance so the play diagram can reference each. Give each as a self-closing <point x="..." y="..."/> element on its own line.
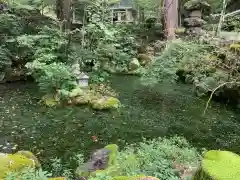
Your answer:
<point x="5" y="61"/>
<point x="10" y="25"/>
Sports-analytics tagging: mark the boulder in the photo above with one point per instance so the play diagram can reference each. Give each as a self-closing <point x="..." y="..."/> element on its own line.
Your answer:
<point x="76" y="92"/>
<point x="235" y="47"/>
<point x="81" y="100"/>
<point x="50" y="100"/>
<point x="134" y="64"/>
<point x="144" y="59"/>
<point x="17" y="162"/>
<point x="105" y="103"/>
<point x="219" y="165"/>
<point x="101" y="161"/>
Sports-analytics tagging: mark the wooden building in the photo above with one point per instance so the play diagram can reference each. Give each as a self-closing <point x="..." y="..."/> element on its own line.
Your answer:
<point x="123" y="12"/>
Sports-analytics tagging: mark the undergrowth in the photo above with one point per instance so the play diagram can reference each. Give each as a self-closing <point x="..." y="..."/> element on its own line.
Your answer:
<point x="203" y="64"/>
<point x="151" y="158"/>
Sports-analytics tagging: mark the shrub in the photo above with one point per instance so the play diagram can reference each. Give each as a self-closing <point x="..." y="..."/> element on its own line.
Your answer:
<point x="55" y="76"/>
<point x="167" y="64"/>
<point x="48" y="64"/>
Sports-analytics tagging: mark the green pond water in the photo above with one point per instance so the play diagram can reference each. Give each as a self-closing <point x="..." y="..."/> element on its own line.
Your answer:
<point x="163" y="110"/>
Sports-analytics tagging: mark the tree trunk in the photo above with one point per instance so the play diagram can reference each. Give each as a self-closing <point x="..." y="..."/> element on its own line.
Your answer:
<point x="64" y="12"/>
<point x="59" y="10"/>
<point x="171" y="18"/>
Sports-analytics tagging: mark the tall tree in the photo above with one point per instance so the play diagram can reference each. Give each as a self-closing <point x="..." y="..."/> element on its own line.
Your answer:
<point x="64" y="12"/>
<point x="171" y="18"/>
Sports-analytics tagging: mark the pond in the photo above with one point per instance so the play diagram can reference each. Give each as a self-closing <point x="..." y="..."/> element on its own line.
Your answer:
<point x="163" y="110"/>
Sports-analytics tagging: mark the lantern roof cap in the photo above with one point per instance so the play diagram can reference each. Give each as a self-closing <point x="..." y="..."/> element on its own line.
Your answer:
<point x="84" y="76"/>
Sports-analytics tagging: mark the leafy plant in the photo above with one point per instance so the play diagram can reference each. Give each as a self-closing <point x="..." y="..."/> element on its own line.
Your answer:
<point x="29" y="174"/>
<point x="53" y="77"/>
<point x="48" y="61"/>
<point x="10" y="25"/>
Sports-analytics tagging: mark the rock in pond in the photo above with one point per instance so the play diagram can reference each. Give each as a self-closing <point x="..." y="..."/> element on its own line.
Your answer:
<point x="50" y="100"/>
<point x="219" y="165"/>
<point x="106" y="103"/>
<point x="16" y="162"/>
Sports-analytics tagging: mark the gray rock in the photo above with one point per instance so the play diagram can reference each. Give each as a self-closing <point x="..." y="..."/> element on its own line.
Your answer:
<point x="134" y="64"/>
<point x="98" y="161"/>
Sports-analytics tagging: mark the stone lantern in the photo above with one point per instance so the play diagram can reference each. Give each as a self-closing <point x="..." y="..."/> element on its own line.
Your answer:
<point x="83" y="80"/>
<point x="194" y="22"/>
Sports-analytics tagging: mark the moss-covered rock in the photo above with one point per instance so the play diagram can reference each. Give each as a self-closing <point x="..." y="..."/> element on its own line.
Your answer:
<point x="81" y="100"/>
<point x="219" y="165"/>
<point x="106" y="103"/>
<point x="31" y="156"/>
<point x="134" y="64"/>
<point x="50" y="100"/>
<point x="76" y="92"/>
<point x="16" y="162"/>
<point x="102" y="161"/>
<point x="144" y="59"/>
<point x="235" y="47"/>
<point x="113" y="148"/>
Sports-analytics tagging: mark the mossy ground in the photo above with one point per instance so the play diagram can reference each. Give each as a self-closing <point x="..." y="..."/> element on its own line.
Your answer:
<point x="164" y="110"/>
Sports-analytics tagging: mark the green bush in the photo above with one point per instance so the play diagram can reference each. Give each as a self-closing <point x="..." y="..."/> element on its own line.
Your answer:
<point x="167" y="64"/>
<point x="48" y="64"/>
<point x="55" y="76"/>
